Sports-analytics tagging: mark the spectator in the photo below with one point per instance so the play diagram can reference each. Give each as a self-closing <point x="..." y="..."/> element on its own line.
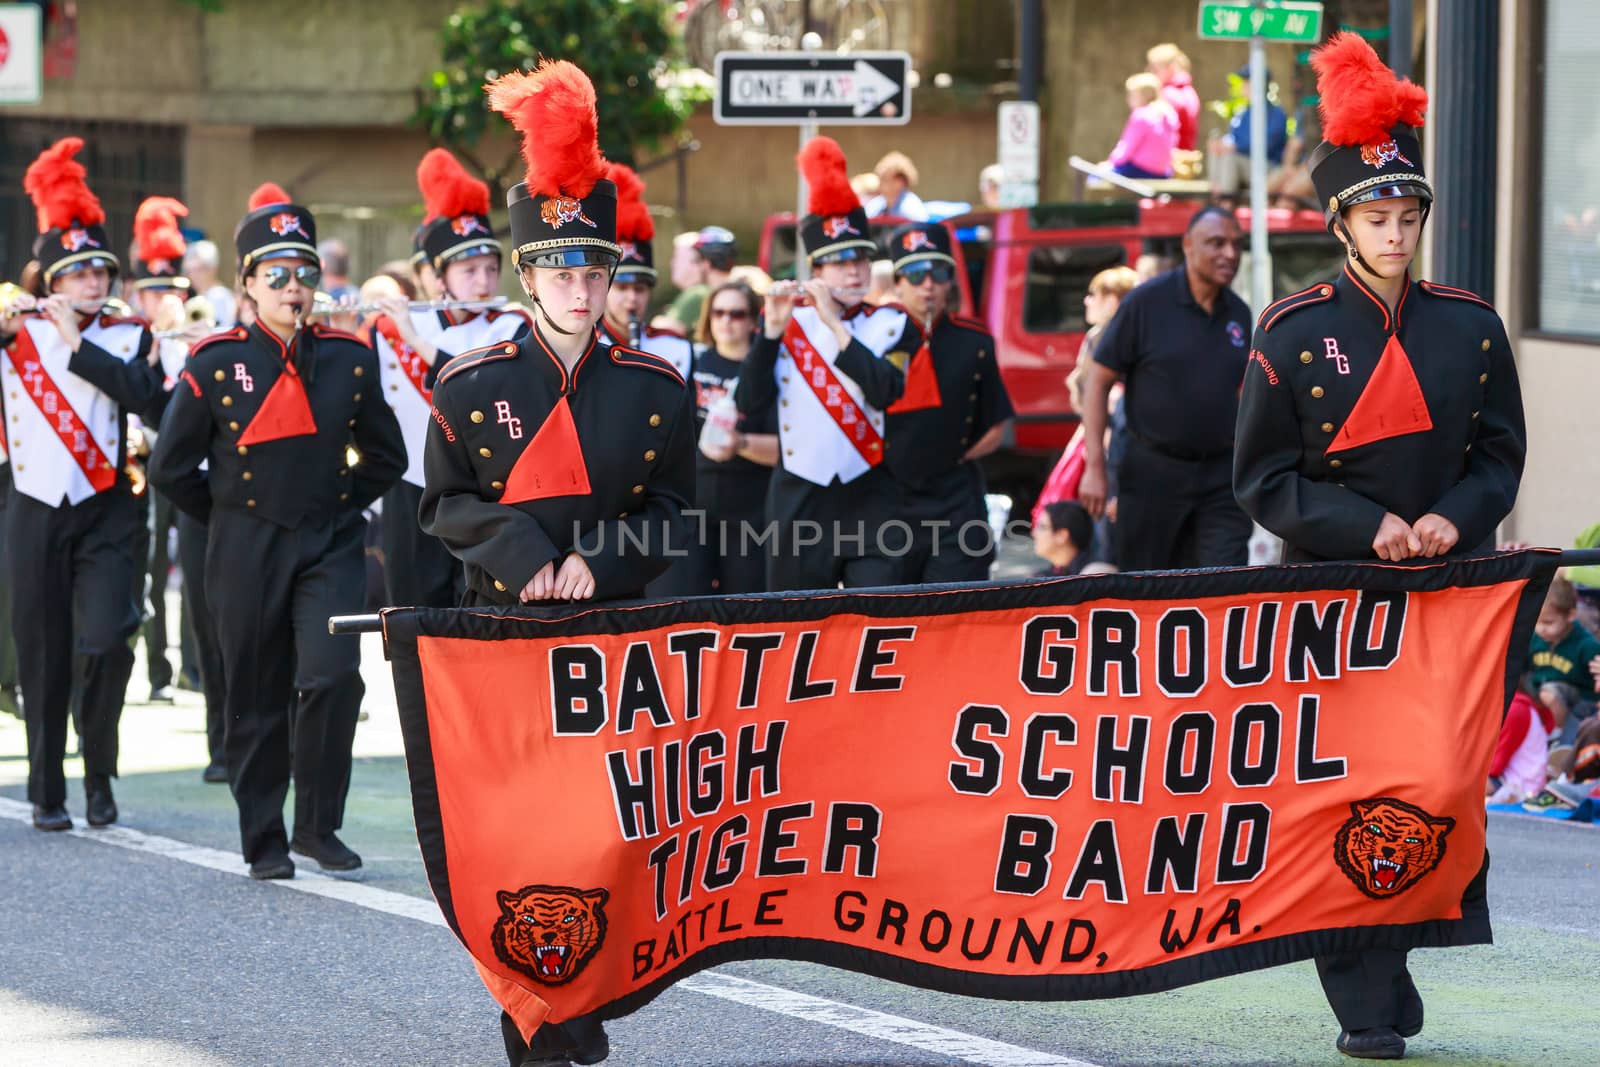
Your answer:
<point x="1561" y="652"/>
<point x="403" y="276"/>
<point x="865" y="184"/>
<point x="336" y="270"/>
<point x="200" y="262"/>
<point x="1576" y="767"/>
<point x="1061" y="533"/>
<point x="881" y="289"/>
<point x="1171" y="69"/>
<point x="700" y="263"/>
<point x="897" y="176"/>
<point x="1517" y="769"/>
<point x="1145" y="148"/>
<point x="989" y="181"/>
<point x="1228" y="156"/>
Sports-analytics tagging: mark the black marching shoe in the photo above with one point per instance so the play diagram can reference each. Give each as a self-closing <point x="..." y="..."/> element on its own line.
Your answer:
<point x="216" y="771"/>
<point x="275" y="865"/>
<point x="51" y="818"/>
<point x="544" y="1059"/>
<point x="102" y="806"/>
<point x="1410" y="1024"/>
<point x="330" y="853"/>
<point x="589" y="1039"/>
<point x="1378" y="1043"/>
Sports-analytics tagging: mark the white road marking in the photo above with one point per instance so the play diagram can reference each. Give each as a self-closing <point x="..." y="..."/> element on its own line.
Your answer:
<point x="865" y="1021"/>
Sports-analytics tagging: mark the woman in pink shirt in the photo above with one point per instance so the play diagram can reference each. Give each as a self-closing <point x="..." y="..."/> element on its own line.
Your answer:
<point x="1145" y="148"/>
<point x="1171" y="67"/>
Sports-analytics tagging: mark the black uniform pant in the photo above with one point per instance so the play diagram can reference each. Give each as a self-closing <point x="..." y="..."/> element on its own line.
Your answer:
<point x="725" y="554"/>
<point x="825" y="535"/>
<point x="192" y="561"/>
<point x="293" y="690"/>
<point x="418" y="571"/>
<point x="950" y="536"/>
<point x="8" y="645"/>
<point x="1366" y="989"/>
<point x="162" y="516"/>
<point x="73" y="573"/>
<point x="1176" y="513"/>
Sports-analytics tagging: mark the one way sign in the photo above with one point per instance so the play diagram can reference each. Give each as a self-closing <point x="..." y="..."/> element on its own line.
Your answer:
<point x="796" y="88"/>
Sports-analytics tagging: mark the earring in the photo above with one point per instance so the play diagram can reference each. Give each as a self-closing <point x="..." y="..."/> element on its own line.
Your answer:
<point x="1354" y="255"/>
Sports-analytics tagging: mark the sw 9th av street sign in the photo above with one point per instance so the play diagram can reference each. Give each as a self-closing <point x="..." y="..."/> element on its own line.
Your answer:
<point x="1269" y="20"/>
<point x="799" y="88"/>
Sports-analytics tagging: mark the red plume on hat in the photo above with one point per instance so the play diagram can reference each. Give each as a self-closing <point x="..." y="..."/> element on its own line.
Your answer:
<point x="827" y="176"/>
<point x="1362" y="100"/>
<point x="553" y="108"/>
<point x="633" y="215"/>
<point x="447" y="189"/>
<point x="55" y="183"/>
<point x="267" y="194"/>
<point x="155" y="228"/>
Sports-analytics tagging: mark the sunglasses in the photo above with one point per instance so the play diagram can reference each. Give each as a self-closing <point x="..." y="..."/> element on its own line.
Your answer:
<point x="735" y="314"/>
<point x="917" y="275"/>
<point x="277" y="276"/>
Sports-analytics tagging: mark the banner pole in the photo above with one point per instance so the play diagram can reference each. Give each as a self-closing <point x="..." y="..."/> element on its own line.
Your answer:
<point x="355" y="624"/>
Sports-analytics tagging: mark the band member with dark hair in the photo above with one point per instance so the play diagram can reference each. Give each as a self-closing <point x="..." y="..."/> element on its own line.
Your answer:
<point x="1381" y="419"/>
<point x="255" y="441"/>
<point x="552" y="459"/>
<point x="460" y="248"/>
<point x="160" y="289"/>
<point x="831" y="363"/>
<point x="629" y="297"/>
<point x="71" y="374"/>
<point x="954" y="412"/>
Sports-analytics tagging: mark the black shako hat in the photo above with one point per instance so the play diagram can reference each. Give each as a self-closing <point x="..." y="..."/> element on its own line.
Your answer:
<point x="72" y="233"/>
<point x="456" y="207"/>
<point x="635" y="227"/>
<point x="1370" y="150"/>
<point x="159" y="244"/>
<point x="564" y="212"/>
<point x="274" y="228"/>
<point x="835" y="225"/>
<point x="918" y="242"/>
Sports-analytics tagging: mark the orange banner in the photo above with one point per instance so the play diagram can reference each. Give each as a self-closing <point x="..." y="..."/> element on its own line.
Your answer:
<point x="1056" y="789"/>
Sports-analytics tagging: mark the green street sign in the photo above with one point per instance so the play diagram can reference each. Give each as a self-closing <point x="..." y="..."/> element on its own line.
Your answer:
<point x="1286" y="21"/>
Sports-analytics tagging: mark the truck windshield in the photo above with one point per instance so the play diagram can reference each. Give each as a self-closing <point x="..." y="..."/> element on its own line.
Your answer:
<point x="1058" y="279"/>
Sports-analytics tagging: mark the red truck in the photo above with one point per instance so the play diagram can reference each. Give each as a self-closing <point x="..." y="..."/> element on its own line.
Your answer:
<point x="1024" y="273"/>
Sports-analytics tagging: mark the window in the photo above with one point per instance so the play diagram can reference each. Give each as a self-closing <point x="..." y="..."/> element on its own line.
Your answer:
<point x="1058" y="280"/>
<point x="1298" y="260"/>
<point x="1566" y="296"/>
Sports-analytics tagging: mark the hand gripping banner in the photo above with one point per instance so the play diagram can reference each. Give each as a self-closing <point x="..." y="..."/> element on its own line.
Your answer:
<point x="1052" y="789"/>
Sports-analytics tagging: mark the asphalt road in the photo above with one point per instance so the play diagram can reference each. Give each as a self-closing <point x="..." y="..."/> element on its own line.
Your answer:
<point x="147" y="945"/>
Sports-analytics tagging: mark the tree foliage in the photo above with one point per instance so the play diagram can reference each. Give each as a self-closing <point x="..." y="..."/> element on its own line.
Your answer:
<point x="625" y="46"/>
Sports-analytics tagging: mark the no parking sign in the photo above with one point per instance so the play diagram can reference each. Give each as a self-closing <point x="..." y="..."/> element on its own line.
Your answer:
<point x="21" y="49"/>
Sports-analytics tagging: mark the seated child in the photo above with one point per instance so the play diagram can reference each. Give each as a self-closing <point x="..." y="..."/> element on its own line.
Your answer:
<point x="1061" y="536"/>
<point x="1561" y="651"/>
<point x="1517" y="769"/>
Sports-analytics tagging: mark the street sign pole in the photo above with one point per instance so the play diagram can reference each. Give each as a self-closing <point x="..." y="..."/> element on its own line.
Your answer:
<point x="1260" y="255"/>
<point x="802" y="265"/>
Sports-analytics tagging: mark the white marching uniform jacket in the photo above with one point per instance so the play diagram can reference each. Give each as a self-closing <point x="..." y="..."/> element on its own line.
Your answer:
<point x="408" y="386"/>
<point x="57" y="401"/>
<point x="819" y="438"/>
<point x="663" y="344"/>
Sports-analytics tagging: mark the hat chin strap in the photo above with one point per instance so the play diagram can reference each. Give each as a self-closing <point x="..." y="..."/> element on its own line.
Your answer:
<point x="548" y="321"/>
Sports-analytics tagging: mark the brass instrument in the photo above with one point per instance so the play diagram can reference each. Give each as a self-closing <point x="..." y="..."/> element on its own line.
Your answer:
<point x="415" y="305"/>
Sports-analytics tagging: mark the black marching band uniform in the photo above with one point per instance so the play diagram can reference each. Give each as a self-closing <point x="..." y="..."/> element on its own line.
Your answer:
<point x="830" y="405"/>
<point x="161" y="246"/>
<point x="953" y="397"/>
<point x="527" y="461"/>
<point x="1351" y="410"/>
<point x="255" y="442"/>
<point x="418" y="569"/>
<point x="73" y="524"/>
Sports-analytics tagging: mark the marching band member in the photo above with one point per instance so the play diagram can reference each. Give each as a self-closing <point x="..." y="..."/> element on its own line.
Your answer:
<point x="460" y="249"/>
<point x="70" y="376"/>
<point x="832" y="364"/>
<point x="954" y="411"/>
<point x="1381" y="418"/>
<point x="635" y="280"/>
<point x="541" y="451"/>
<point x="255" y="441"/>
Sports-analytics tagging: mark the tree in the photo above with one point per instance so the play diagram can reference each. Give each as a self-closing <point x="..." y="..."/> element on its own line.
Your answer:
<point x="625" y="46"/>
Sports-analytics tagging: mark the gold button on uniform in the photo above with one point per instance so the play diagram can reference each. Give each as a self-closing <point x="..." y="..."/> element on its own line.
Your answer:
<point x="360" y="371"/>
<point x="1326" y="289"/>
<point x="1474" y="414"/>
<point x="1485" y="345"/>
<point x="247" y="476"/>
<point x="220" y="376"/>
<point x="477" y="416"/>
<point x="485" y="453"/>
<point x="655" y="420"/>
<point x="1316" y="391"/>
<point x="1305" y="357"/>
<point x="250" y="503"/>
<point x="227" y="401"/>
<point x="650" y="455"/>
<point x="638" y="489"/>
<point x="344" y="496"/>
<point x="233" y="425"/>
<point x="498" y="584"/>
<point x="358" y="398"/>
<point x="1336" y="463"/>
<point x="497" y="485"/>
<point x="1482" y="378"/>
<point x="1327" y="427"/>
<point x="243" y="451"/>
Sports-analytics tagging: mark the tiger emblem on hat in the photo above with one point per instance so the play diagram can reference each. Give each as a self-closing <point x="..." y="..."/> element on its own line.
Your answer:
<point x="1387" y="845"/>
<point x="631" y="251"/>
<point x="1376" y="155"/>
<point x="557" y="211"/>
<point x="77" y="239"/>
<point x="837" y="226"/>
<point x="914" y="240"/>
<point x="549" y="932"/>
<point x="286" y="222"/>
<point x="467" y="225"/>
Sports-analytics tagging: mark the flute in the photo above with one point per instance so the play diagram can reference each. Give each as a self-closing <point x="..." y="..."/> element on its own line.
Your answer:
<point x="81" y="306"/>
<point x="794" y="288"/>
<point x="415" y="305"/>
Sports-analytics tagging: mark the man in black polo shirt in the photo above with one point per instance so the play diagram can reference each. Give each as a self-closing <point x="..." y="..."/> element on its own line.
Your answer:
<point x="1180" y="343"/>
